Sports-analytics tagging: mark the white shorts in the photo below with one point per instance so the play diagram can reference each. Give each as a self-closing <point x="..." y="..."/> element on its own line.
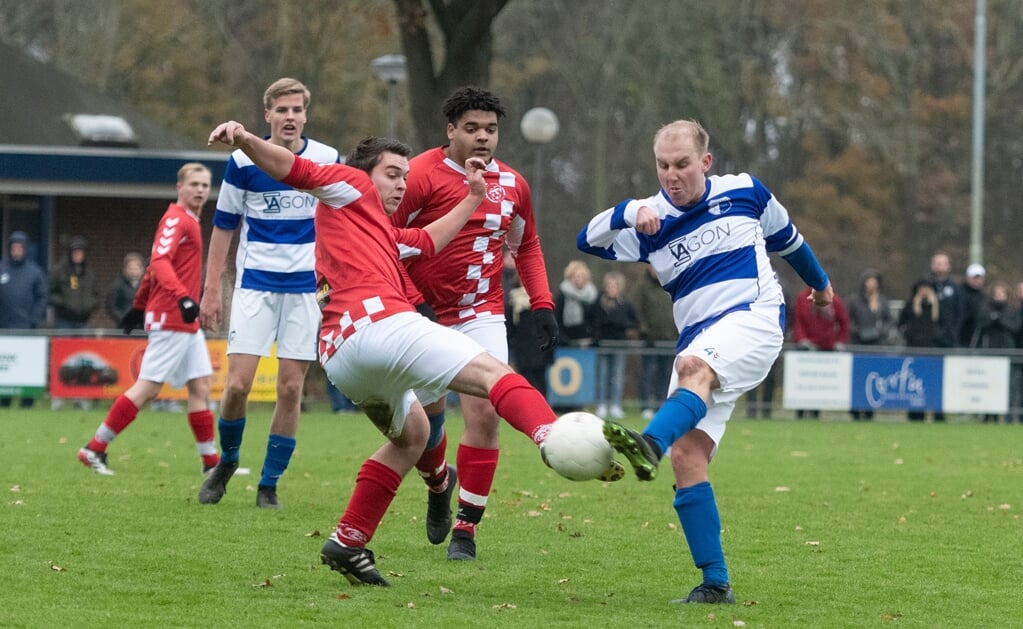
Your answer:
<point x="258" y="318"/>
<point x="490" y="333"/>
<point x="380" y="366"/>
<point x="175" y="358"/>
<point x="740" y="348"/>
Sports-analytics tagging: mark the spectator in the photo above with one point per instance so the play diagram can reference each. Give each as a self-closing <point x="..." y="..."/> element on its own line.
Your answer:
<point x="122" y="290"/>
<point x="656" y="327"/>
<point x="74" y="295"/>
<point x="998" y="325"/>
<point x="824" y="328"/>
<point x="74" y="290"/>
<point x="949" y="296"/>
<point x="22" y="295"/>
<point x="972" y="290"/>
<point x="923" y="323"/>
<point x="870" y="319"/>
<point x="615" y="320"/>
<point x="574" y="306"/>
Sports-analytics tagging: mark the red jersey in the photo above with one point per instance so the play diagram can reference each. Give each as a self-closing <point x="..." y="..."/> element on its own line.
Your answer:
<point x="175" y="271"/>
<point x="357" y="263"/>
<point x="463" y="281"/>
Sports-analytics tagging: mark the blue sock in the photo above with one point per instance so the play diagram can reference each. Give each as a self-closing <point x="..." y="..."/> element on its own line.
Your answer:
<point x="278" y="455"/>
<point x="679" y="414"/>
<point x="230" y="438"/>
<point x="436" y="429"/>
<point x="698" y="513"/>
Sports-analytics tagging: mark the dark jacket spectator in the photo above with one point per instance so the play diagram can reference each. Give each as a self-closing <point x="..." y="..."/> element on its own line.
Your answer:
<point x="122" y="290"/>
<point x="870" y="314"/>
<point x="921" y="320"/>
<point x="74" y="289"/>
<point x="998" y="320"/>
<point x="22" y="287"/>
<point x="973" y="297"/>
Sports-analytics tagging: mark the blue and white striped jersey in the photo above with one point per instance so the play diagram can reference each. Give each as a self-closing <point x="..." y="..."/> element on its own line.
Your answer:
<point x="276" y="248"/>
<point x="712" y="257"/>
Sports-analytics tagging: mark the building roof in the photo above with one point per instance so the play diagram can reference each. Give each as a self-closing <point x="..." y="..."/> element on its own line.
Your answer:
<point x="37" y="97"/>
<point x="41" y="153"/>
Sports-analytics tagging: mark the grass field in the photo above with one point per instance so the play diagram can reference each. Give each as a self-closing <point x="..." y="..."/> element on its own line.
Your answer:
<point x="826" y="524"/>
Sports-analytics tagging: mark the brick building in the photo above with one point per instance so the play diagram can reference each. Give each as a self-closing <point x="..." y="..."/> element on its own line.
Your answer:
<point x="75" y="162"/>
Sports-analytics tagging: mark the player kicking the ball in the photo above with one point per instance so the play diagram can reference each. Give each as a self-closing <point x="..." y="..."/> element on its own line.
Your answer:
<point x="373" y="344"/>
<point x="707" y="238"/>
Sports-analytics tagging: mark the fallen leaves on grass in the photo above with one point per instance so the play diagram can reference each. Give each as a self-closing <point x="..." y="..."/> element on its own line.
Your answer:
<point x="15" y="488"/>
<point x="314" y="533"/>
<point x="444" y="590"/>
<point x="57" y="568"/>
<point x="505" y="606"/>
<point x="781" y="488"/>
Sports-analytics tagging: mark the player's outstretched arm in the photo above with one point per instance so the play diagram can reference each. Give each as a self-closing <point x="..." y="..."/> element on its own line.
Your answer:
<point x="274" y="160"/>
<point x="445" y="228"/>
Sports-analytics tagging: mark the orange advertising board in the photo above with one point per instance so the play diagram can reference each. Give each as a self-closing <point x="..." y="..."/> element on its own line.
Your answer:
<point x="103" y="368"/>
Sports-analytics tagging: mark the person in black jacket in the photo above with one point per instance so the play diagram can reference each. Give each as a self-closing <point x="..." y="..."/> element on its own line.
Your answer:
<point x="998" y="323"/>
<point x="924" y="323"/>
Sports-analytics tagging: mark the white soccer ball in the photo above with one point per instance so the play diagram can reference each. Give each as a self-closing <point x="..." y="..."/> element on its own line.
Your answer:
<point x="576" y="448"/>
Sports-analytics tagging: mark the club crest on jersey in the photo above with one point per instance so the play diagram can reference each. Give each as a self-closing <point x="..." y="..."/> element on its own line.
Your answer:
<point x="717" y="207"/>
<point x="495" y="192"/>
<point x="273" y="202"/>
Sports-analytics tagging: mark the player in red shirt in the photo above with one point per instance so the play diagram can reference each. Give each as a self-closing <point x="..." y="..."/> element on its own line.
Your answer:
<point x="165" y="304"/>
<point x="373" y="344"/>
<point x="463" y="286"/>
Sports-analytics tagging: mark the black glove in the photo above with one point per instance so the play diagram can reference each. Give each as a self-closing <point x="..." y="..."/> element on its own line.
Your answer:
<point x="426" y="310"/>
<point x="132" y="319"/>
<point x="189" y="309"/>
<point x="546" y="328"/>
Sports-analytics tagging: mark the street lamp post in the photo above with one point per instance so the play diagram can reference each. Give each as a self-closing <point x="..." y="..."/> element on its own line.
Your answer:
<point x="390" y="68"/>
<point x="539" y="126"/>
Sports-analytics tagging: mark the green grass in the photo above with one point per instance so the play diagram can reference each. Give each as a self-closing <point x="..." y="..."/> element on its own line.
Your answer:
<point x="826" y="524"/>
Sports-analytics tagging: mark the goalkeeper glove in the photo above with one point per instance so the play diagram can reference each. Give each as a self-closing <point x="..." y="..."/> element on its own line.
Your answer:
<point x="189" y="309"/>
<point x="546" y="328"/>
<point x="132" y="319"/>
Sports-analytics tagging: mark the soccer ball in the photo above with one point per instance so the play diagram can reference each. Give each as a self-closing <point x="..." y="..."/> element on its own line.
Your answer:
<point x="576" y="448"/>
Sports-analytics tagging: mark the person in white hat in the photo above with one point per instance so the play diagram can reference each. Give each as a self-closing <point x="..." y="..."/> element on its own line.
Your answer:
<point x="972" y="292"/>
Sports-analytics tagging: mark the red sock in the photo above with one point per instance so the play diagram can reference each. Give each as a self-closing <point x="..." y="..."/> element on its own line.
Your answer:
<point x="375" y="488"/>
<point x="201" y="423"/>
<point x="122" y="412"/>
<point x="522" y="406"/>
<point x="476" y="468"/>
<point x="433" y="465"/>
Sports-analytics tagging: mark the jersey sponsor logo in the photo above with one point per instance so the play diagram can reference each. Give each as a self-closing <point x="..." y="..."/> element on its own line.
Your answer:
<point x="277" y="201"/>
<point x="711" y="352"/>
<point x="717" y="207"/>
<point x="495" y="192"/>
<point x="682" y="249"/>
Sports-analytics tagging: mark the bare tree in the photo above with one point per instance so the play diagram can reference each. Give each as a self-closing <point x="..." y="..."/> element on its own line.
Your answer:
<point x="466" y="42"/>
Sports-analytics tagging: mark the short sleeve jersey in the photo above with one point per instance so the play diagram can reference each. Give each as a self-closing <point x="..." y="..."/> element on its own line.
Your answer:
<point x="463" y="281"/>
<point x="357" y="263"/>
<point x="277" y="241"/>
